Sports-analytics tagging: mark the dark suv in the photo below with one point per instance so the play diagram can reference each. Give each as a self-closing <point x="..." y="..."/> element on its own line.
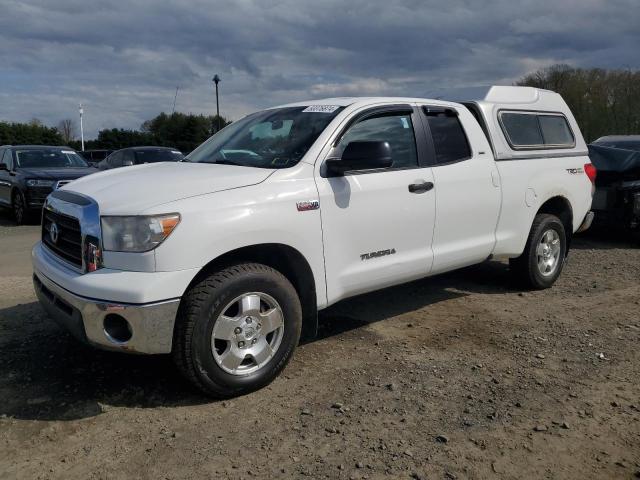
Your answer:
<point x="28" y="173"/>
<point x="139" y="155"/>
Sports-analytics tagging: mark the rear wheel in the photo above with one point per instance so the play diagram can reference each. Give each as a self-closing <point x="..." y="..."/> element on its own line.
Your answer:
<point x="237" y="329"/>
<point x="19" y="207"/>
<point x="541" y="263"/>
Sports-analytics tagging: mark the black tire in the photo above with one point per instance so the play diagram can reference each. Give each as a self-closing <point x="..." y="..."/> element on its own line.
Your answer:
<point x="525" y="267"/>
<point x="19" y="208"/>
<point x="199" y="311"/>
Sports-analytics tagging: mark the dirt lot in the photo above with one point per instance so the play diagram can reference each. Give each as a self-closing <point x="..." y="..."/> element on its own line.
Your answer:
<point x="459" y="376"/>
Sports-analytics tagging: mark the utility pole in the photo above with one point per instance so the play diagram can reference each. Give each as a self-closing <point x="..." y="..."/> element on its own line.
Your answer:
<point x="216" y="80"/>
<point x="81" y="111"/>
<point x="174" y="100"/>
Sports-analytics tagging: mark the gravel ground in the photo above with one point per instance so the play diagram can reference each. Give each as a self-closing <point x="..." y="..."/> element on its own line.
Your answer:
<point x="457" y="376"/>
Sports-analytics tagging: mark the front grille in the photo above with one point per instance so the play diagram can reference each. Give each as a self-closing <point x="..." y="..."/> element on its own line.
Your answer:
<point x="69" y="242"/>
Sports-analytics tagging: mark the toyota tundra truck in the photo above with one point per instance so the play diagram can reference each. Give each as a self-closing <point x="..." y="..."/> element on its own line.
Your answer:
<point x="225" y="258"/>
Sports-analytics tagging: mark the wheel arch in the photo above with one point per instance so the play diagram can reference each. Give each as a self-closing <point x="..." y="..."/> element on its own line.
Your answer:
<point x="560" y="206"/>
<point x="283" y="258"/>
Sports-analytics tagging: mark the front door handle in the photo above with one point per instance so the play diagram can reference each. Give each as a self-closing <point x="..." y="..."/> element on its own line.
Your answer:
<point x="420" y="187"/>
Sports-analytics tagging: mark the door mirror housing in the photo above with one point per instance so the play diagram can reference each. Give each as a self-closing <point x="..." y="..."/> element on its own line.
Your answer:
<point x="127" y="163"/>
<point x="3" y="166"/>
<point x="361" y="156"/>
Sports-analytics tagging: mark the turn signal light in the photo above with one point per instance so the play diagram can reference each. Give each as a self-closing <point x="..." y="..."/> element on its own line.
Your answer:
<point x="591" y="172"/>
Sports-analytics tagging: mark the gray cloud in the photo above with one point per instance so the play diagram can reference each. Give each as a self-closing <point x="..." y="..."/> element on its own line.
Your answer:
<point x="123" y="60"/>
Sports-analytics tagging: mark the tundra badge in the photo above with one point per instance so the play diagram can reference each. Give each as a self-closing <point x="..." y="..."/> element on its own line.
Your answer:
<point x="379" y="253"/>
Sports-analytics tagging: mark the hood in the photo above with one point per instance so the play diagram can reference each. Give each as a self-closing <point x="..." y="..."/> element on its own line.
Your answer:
<point x="132" y="190"/>
<point x="57" y="173"/>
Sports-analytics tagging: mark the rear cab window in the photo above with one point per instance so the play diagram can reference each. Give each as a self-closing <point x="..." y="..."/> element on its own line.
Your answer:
<point x="536" y="130"/>
<point x="449" y="138"/>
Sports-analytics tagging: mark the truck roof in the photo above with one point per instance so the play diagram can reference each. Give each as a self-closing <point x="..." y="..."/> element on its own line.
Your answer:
<point x="494" y="94"/>
<point x="486" y="103"/>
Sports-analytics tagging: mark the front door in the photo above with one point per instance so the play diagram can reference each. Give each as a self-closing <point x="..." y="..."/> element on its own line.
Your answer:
<point x="377" y="224"/>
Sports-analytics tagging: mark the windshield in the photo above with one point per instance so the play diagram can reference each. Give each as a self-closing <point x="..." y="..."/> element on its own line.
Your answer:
<point x="48" y="158"/>
<point x="276" y="138"/>
<point x="152" y="156"/>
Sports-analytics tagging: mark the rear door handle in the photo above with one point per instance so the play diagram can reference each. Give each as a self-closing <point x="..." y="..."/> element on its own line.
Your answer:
<point x="420" y="187"/>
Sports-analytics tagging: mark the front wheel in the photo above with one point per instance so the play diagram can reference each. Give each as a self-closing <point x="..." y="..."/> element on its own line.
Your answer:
<point x="541" y="263"/>
<point x="237" y="329"/>
<point x="19" y="207"/>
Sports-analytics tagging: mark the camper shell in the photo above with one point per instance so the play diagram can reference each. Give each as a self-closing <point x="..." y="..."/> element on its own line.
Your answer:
<point x="490" y="104"/>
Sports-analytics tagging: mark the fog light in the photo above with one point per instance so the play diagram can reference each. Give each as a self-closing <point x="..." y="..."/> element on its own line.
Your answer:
<point x="117" y="328"/>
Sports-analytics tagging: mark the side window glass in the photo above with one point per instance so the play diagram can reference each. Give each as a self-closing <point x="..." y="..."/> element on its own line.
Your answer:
<point x="449" y="140"/>
<point x="128" y="158"/>
<point x="6" y="159"/>
<point x="555" y="130"/>
<point x="536" y="130"/>
<point x="115" y="160"/>
<point x="395" y="128"/>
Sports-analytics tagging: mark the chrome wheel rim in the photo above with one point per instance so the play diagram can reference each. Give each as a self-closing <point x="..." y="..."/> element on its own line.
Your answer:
<point x="248" y="333"/>
<point x="548" y="252"/>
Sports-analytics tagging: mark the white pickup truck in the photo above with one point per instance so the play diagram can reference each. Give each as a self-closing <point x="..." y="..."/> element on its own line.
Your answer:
<point x="225" y="258"/>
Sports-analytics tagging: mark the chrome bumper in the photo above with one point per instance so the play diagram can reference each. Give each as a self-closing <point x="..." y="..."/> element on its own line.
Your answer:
<point x="150" y="325"/>
<point x="586" y="223"/>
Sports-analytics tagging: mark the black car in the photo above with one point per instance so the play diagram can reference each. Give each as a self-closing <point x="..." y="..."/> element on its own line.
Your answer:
<point x="28" y="173"/>
<point x="617" y="196"/>
<point x="95" y="156"/>
<point x="139" y="155"/>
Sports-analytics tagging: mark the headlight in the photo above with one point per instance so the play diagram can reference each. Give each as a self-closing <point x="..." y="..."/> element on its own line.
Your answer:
<point x="40" y="183"/>
<point x="137" y="233"/>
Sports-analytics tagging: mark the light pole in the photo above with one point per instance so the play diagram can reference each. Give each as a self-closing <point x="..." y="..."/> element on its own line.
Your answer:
<point x="216" y="80"/>
<point x="81" y="111"/>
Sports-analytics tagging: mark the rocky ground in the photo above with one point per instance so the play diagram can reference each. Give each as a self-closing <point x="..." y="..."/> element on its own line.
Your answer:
<point x="458" y="376"/>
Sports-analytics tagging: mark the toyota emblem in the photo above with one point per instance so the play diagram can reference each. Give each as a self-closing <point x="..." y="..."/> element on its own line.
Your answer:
<point x="54" y="232"/>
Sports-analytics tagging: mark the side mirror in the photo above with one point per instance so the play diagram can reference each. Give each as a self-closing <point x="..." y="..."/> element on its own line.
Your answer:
<point x="3" y="166"/>
<point x="361" y="156"/>
<point x="127" y="163"/>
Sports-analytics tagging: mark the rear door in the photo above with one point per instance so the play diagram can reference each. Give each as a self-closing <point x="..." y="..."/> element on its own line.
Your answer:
<point x="467" y="188"/>
<point x="376" y="230"/>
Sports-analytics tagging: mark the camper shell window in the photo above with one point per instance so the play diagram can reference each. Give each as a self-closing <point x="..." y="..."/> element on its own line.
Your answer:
<point x="536" y="130"/>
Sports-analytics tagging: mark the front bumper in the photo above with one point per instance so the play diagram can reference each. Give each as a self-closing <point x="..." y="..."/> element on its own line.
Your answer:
<point x="36" y="196"/>
<point x="150" y="324"/>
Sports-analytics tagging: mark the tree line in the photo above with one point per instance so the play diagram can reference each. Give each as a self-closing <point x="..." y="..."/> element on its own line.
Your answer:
<point x="178" y="130"/>
<point x="604" y="102"/>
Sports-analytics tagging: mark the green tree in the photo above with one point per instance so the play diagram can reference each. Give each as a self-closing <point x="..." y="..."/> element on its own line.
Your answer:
<point x="31" y="133"/>
<point x="604" y="102"/>
<point x="182" y="131"/>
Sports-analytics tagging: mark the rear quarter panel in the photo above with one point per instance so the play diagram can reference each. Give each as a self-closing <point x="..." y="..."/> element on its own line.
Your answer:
<point x="527" y="185"/>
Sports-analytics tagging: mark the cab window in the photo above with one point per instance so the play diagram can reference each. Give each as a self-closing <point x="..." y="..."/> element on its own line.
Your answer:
<point x="395" y="128"/>
<point x="449" y="140"/>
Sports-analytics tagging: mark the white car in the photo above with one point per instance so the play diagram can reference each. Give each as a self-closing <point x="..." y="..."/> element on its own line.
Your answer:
<point x="225" y="258"/>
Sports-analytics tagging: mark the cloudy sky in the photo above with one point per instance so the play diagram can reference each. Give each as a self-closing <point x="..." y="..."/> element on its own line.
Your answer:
<point x="124" y="59"/>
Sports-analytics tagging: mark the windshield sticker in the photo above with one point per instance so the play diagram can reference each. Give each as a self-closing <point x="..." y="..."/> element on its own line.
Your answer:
<point x="68" y="151"/>
<point x="321" y="109"/>
<point x="405" y="123"/>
